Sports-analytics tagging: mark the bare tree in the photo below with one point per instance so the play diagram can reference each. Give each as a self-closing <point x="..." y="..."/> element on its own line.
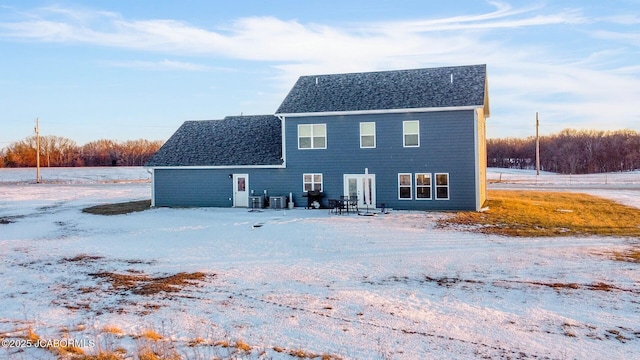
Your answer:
<point x="570" y="151"/>
<point x="60" y="151"/>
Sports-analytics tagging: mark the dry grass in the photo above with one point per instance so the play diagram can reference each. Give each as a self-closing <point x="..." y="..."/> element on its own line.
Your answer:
<point x="151" y="345"/>
<point x="59" y="348"/>
<point x="150" y="334"/>
<point x="537" y="213"/>
<point x="119" y="208"/>
<point x="242" y="346"/>
<point x="197" y="342"/>
<point x="141" y="284"/>
<point x="104" y="355"/>
<point x="222" y="343"/>
<point x="82" y="258"/>
<point x="32" y="336"/>
<point x="630" y="255"/>
<point x="302" y="354"/>
<point x="109" y="329"/>
<point x="171" y="283"/>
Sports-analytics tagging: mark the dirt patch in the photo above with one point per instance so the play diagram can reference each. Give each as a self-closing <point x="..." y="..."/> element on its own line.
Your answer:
<point x="555" y="285"/>
<point x="82" y="258"/>
<point x="630" y="255"/>
<point x="119" y="208"/>
<point x="598" y="286"/>
<point x="142" y="284"/>
<point x="449" y="282"/>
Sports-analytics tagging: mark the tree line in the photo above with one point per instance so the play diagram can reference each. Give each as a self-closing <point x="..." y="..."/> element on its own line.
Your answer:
<point x="56" y="151"/>
<point x="569" y="152"/>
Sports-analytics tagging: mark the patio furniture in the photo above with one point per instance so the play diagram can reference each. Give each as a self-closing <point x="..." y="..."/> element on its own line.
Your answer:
<point x="336" y="206"/>
<point x="353" y="204"/>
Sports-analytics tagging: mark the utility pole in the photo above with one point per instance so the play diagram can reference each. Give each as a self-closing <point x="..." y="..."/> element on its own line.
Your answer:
<point x="537" y="146"/>
<point x="37" y="152"/>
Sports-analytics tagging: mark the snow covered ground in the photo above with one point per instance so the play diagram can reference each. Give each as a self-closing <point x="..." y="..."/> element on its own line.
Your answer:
<point x="389" y="286"/>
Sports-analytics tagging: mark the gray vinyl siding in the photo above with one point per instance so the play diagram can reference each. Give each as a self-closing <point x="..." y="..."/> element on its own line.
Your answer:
<point x="214" y="187"/>
<point x="446" y="146"/>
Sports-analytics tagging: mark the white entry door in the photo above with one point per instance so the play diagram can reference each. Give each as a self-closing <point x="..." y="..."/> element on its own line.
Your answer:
<point x="240" y="190"/>
<point x="357" y="184"/>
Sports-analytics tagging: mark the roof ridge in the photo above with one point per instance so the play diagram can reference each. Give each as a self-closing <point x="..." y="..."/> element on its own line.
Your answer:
<point x="397" y="70"/>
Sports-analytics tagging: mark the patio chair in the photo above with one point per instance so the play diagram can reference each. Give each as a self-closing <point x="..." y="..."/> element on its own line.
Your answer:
<point x="353" y="204"/>
<point x="333" y="206"/>
<point x="345" y="202"/>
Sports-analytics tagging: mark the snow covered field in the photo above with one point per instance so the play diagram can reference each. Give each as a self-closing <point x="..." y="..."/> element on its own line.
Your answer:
<point x="389" y="286"/>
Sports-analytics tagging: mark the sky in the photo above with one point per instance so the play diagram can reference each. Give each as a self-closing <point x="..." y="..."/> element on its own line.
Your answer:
<point x="123" y="70"/>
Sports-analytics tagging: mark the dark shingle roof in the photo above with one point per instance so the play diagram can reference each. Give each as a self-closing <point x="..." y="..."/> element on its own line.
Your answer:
<point x="235" y="140"/>
<point x="386" y="90"/>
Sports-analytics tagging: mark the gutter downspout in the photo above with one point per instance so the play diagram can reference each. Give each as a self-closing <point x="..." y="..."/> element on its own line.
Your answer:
<point x="284" y="141"/>
<point x="153" y="187"/>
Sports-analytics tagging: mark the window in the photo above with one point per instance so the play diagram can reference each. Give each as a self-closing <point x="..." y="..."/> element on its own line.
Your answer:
<point x="411" y="133"/>
<point x="404" y="187"/>
<point x="442" y="186"/>
<point x="367" y="135"/>
<point x="423" y="186"/>
<point x="242" y="184"/>
<point x="311" y="182"/>
<point x="312" y="136"/>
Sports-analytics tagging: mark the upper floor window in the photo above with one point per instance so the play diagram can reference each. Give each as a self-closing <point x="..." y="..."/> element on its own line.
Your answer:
<point x="312" y="182"/>
<point x="442" y="186"/>
<point x="423" y="186"/>
<point x="312" y="136"/>
<point x="367" y="135"/>
<point x="411" y="133"/>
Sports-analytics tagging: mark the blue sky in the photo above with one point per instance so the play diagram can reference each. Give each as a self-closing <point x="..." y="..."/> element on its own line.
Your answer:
<point x="124" y="69"/>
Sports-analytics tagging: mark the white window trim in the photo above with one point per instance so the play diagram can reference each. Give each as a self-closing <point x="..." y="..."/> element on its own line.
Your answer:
<point x="374" y="135"/>
<point x="410" y="186"/>
<point x="312" y="181"/>
<point x="312" y="147"/>
<point x="436" y="186"/>
<point x="430" y="186"/>
<point x="404" y="133"/>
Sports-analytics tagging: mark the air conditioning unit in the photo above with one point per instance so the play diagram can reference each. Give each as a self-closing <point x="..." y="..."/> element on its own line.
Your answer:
<point x="277" y="202"/>
<point x="256" y="202"/>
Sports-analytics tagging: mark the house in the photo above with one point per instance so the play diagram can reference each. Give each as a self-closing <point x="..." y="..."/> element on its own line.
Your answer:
<point x="406" y="139"/>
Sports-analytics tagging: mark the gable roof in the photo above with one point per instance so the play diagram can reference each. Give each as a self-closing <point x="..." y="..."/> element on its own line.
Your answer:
<point x="443" y="87"/>
<point x="233" y="141"/>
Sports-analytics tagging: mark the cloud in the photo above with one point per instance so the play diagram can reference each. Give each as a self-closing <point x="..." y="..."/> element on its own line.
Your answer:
<point x="623" y="37"/>
<point x="267" y="38"/>
<point x="575" y="83"/>
<point x="164" y="65"/>
<point x="624" y="19"/>
<point x="503" y="17"/>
